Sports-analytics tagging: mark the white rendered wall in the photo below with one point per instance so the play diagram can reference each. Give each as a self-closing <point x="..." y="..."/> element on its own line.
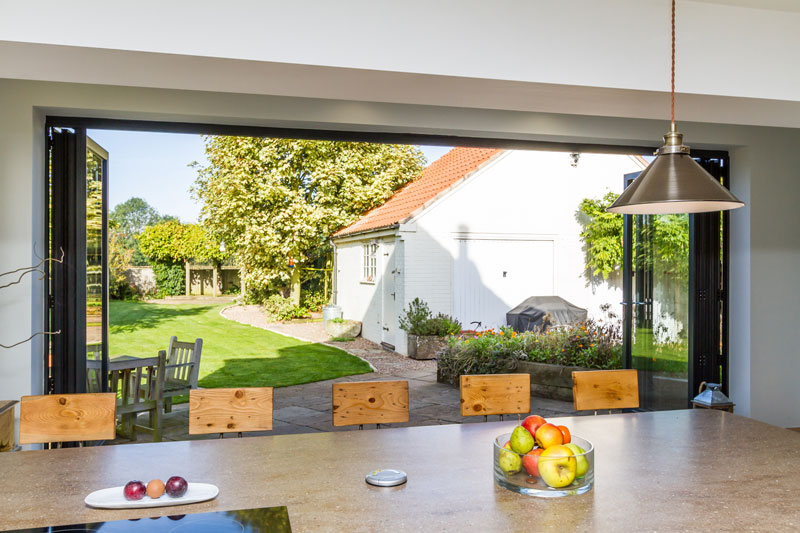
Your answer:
<point x="765" y="248"/>
<point x="359" y="300"/>
<point x="521" y="195"/>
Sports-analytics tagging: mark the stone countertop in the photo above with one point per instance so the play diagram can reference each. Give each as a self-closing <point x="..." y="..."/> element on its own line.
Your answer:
<point x="665" y="471"/>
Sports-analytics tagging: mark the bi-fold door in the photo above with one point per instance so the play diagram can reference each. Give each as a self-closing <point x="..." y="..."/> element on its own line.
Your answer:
<point x="77" y="302"/>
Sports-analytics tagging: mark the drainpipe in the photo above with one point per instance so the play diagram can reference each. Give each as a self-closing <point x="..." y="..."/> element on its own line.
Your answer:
<point x="334" y="276"/>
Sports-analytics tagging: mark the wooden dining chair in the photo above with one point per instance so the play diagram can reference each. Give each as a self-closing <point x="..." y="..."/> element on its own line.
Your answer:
<point x="605" y="389"/>
<point x="369" y="402"/>
<point x="495" y="394"/>
<point x="183" y="369"/>
<point x="230" y="410"/>
<point x="67" y="418"/>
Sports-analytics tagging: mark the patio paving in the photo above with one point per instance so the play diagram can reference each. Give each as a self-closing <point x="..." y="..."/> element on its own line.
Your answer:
<point x="307" y="408"/>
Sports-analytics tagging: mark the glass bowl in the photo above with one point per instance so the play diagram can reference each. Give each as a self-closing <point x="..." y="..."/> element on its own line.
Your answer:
<point x="564" y="476"/>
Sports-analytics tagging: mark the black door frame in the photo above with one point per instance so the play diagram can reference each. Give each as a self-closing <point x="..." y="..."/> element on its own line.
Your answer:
<point x="84" y="123"/>
<point x="68" y="278"/>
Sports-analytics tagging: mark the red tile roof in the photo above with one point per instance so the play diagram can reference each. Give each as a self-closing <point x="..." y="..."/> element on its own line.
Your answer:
<point x="437" y="177"/>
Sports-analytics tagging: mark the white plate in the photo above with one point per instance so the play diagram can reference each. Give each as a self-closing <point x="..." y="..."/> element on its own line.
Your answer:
<point x="113" y="498"/>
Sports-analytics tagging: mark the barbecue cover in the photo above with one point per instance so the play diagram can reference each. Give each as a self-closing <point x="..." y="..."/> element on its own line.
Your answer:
<point x="530" y="314"/>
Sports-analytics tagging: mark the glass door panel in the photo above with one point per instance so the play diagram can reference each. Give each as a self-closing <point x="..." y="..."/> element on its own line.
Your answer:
<point x="96" y="269"/>
<point x="660" y="309"/>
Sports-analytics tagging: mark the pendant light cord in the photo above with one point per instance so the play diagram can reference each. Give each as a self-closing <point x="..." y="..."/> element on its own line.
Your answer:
<point x="672" y="93"/>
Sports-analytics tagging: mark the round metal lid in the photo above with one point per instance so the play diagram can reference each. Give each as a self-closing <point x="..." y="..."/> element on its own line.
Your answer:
<point x="386" y="478"/>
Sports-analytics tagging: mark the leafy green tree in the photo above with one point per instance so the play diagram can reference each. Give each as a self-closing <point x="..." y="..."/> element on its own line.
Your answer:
<point x="276" y="200"/>
<point x="170" y="244"/>
<point x="603" y="237"/>
<point x="130" y="218"/>
<point x="174" y="242"/>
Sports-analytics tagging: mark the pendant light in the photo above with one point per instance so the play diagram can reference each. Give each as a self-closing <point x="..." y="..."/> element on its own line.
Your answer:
<point x="674" y="182"/>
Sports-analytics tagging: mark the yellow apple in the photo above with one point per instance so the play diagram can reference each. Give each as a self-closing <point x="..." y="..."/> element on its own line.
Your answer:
<point x="582" y="461"/>
<point x="557" y="466"/>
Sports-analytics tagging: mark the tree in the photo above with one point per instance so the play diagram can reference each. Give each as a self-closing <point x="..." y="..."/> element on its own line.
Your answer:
<point x="170" y="244"/>
<point x="603" y="238"/>
<point x="273" y="201"/>
<point x="131" y="217"/>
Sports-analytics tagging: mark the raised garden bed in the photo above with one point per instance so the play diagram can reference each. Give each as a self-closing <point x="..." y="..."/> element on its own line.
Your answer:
<point x="425" y="347"/>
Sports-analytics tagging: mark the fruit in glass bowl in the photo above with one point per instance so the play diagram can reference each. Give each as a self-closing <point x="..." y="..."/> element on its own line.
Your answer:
<point x="546" y="471"/>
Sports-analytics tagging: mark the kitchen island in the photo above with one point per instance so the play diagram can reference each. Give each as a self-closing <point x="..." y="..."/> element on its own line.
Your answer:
<point x="669" y="470"/>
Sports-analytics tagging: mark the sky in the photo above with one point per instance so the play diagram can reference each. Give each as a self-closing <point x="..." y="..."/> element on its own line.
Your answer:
<point x="155" y="166"/>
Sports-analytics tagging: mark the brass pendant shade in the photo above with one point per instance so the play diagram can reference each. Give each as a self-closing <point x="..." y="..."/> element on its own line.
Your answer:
<point x="674" y="183"/>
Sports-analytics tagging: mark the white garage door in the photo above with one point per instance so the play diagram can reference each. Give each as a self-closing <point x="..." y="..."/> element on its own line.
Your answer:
<point x="492" y="276"/>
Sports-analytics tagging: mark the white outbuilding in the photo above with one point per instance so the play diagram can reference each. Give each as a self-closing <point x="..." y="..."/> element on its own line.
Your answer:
<point x="477" y="233"/>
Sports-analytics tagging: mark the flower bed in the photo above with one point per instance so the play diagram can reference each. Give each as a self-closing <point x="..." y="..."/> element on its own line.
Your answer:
<point x="590" y="344"/>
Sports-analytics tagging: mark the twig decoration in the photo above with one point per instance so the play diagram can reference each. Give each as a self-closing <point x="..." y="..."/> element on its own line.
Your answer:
<point x="29" y="270"/>
<point x="29" y="338"/>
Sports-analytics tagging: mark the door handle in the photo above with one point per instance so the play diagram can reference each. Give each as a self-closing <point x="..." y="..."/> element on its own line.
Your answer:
<point x="393" y="296"/>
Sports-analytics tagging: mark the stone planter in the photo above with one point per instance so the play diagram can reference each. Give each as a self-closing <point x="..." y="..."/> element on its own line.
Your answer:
<point x="425" y="347"/>
<point x="346" y="328"/>
<point x="549" y="381"/>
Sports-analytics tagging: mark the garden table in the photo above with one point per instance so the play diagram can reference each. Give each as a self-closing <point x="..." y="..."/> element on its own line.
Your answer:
<point x="665" y="471"/>
<point x="130" y="377"/>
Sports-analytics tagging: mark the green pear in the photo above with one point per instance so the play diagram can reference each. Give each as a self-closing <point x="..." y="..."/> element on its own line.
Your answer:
<point x="521" y="440"/>
<point x="583" y="462"/>
<point x="509" y="462"/>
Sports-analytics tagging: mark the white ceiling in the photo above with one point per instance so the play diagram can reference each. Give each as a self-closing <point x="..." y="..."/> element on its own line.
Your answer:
<point x="776" y="5"/>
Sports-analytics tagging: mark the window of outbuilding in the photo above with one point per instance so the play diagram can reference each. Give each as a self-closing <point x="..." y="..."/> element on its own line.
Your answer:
<point x="370" y="262"/>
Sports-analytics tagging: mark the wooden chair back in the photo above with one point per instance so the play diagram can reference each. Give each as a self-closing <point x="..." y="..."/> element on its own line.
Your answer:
<point x="495" y="394"/>
<point x="67" y="418"/>
<point x="94" y="356"/>
<point x="7" y="425"/>
<point x="605" y="389"/>
<point x="230" y="410"/>
<point x="183" y="362"/>
<point x="370" y="402"/>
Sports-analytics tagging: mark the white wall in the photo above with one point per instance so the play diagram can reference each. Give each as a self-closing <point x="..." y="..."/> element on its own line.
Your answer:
<point x="764" y="261"/>
<point x="622" y="43"/>
<point x="359" y="300"/>
<point x="521" y="195"/>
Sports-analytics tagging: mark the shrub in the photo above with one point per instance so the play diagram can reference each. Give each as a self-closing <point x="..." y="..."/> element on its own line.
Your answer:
<point x="170" y="279"/>
<point x="419" y="320"/>
<point x="589" y="344"/>
<point x="313" y="300"/>
<point x="276" y="307"/>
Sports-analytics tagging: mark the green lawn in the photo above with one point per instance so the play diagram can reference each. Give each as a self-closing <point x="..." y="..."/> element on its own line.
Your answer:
<point x="234" y="355"/>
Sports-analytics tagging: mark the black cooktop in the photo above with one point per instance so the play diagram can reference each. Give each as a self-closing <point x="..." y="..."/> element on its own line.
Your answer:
<point x="266" y="519"/>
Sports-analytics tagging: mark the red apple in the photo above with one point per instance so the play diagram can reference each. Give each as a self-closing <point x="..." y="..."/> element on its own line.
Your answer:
<point x="533" y="422"/>
<point x="565" y="432"/>
<point x="548" y="435"/>
<point x="176" y="487"/>
<point x="530" y="461"/>
<point x="134" y="490"/>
